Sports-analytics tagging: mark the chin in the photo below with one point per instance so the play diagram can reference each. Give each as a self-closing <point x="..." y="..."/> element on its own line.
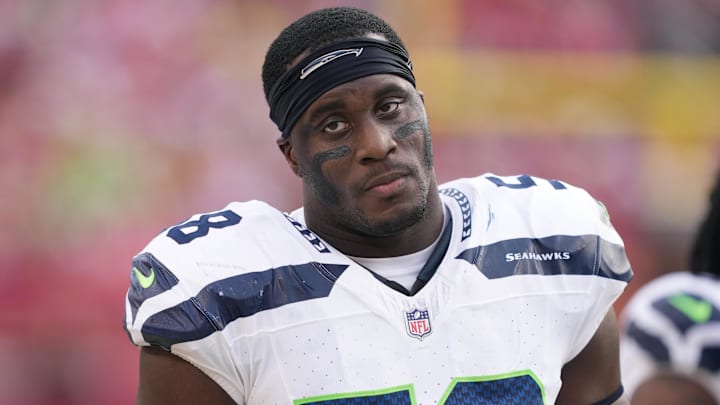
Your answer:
<point x="396" y="221"/>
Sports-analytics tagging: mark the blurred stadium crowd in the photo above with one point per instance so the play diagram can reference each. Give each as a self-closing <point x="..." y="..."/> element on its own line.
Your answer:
<point x="118" y="118"/>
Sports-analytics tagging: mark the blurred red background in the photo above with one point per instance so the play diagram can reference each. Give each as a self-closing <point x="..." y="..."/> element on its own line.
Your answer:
<point x="120" y="118"/>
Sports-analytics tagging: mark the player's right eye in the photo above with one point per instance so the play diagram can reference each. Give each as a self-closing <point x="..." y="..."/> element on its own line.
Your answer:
<point x="335" y="127"/>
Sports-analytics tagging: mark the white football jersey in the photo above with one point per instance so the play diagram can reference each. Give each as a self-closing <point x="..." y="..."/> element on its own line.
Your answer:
<point x="673" y="323"/>
<point x="275" y="315"/>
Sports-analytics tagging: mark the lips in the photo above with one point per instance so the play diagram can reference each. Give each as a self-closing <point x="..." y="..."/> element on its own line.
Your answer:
<point x="383" y="180"/>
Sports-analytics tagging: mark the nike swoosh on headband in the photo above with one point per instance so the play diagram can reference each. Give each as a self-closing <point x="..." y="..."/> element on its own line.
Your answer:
<point x="319" y="62"/>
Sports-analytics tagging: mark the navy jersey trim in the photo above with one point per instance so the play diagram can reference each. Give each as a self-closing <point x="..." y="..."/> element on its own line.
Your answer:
<point x="656" y="348"/>
<point x="465" y="208"/>
<point x="710" y="358"/>
<point x="224" y="301"/>
<point x="651" y="344"/>
<point x="610" y="399"/>
<point x="430" y="267"/>
<point x="553" y="255"/>
<point x="683" y="318"/>
<point x="436" y="257"/>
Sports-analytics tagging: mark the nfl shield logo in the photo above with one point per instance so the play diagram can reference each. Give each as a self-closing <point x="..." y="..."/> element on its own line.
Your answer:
<point x="417" y="323"/>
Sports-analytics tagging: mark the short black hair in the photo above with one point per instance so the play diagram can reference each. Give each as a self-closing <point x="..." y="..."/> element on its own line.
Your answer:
<point x="705" y="251"/>
<point x="317" y="29"/>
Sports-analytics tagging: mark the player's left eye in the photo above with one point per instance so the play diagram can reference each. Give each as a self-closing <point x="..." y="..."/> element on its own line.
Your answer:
<point x="390" y="107"/>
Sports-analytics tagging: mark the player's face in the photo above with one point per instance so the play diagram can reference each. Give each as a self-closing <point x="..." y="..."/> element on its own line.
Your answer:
<point x="364" y="152"/>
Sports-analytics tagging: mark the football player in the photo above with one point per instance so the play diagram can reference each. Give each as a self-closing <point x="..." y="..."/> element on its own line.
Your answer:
<point x="671" y="327"/>
<point x="384" y="287"/>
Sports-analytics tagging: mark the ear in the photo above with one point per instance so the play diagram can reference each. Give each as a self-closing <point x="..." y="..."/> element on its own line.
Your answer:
<point x="288" y="151"/>
<point x="422" y="95"/>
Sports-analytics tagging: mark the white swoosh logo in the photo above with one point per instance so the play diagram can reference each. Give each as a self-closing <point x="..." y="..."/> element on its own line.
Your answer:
<point x="327" y="58"/>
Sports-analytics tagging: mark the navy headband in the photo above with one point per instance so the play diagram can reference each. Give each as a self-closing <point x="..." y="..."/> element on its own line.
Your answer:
<point x="329" y="67"/>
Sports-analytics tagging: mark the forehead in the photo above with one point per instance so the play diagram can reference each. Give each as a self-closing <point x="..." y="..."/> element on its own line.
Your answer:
<point x="368" y="87"/>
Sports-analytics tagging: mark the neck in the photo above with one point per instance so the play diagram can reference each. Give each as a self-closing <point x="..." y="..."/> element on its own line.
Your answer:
<point x="410" y="240"/>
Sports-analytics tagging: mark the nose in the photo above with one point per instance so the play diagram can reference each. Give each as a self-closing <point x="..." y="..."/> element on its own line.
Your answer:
<point x="373" y="141"/>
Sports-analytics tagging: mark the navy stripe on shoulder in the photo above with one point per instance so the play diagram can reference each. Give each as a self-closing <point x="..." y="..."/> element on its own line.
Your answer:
<point x="553" y="255"/>
<point x="685" y="310"/>
<point x="148" y="278"/>
<point x="224" y="301"/>
<point x="650" y="343"/>
<point x="710" y="358"/>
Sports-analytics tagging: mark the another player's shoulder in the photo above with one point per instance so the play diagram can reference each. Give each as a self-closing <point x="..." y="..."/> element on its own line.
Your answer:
<point x="678" y="290"/>
<point x="672" y="322"/>
<point x="674" y="304"/>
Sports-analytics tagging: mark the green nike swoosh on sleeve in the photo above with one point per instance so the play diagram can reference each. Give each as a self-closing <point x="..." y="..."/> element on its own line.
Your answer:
<point x="145" y="281"/>
<point x="699" y="311"/>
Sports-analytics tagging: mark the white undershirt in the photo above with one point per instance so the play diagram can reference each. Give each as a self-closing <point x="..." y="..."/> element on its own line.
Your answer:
<point x="400" y="269"/>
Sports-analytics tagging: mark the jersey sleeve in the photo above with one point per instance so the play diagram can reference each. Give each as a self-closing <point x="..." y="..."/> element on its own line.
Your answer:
<point x="195" y="288"/>
<point x="162" y="312"/>
<point x="607" y="260"/>
<point x="555" y="234"/>
<point x="173" y="303"/>
<point x="558" y="218"/>
<point x="169" y="279"/>
<point x="158" y="312"/>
